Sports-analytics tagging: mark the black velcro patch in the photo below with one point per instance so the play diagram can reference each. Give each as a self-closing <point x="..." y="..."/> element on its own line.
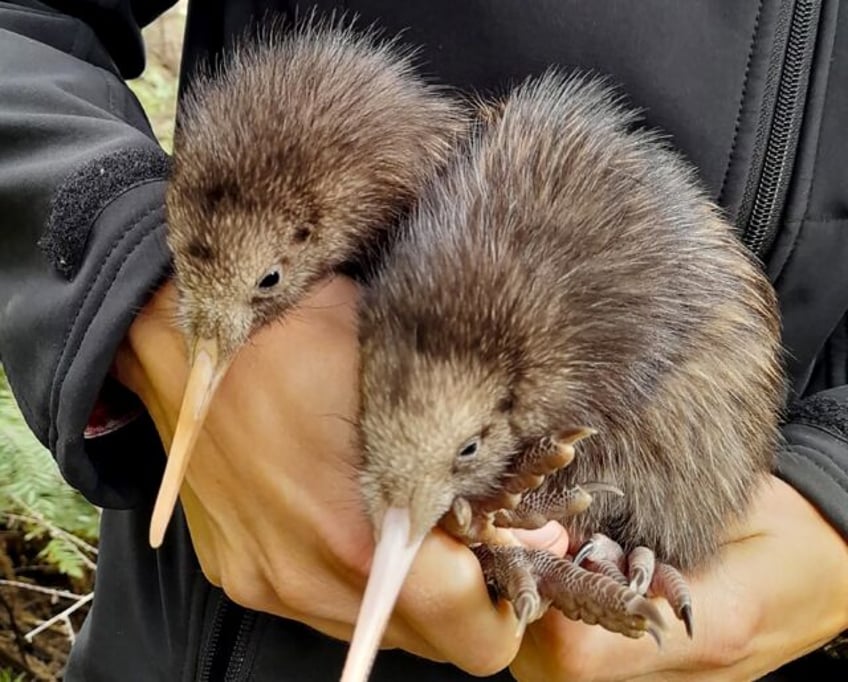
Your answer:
<point x="86" y="192"/>
<point x="822" y="411"/>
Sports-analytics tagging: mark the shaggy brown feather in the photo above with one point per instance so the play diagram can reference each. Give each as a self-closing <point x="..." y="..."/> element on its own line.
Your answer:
<point x="298" y="154"/>
<point x="567" y="271"/>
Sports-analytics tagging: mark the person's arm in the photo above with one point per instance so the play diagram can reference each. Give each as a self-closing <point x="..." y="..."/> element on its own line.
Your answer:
<point x="815" y="461"/>
<point x="81" y="218"/>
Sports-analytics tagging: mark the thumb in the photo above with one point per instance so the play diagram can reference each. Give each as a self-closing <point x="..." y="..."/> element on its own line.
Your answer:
<point x="551" y="537"/>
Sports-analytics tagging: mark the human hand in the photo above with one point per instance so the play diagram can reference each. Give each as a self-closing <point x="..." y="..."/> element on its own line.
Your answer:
<point x="271" y="496"/>
<point x="779" y="590"/>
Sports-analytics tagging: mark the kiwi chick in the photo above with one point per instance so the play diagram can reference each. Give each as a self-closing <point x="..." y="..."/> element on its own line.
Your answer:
<point x="567" y="273"/>
<point x="292" y="160"/>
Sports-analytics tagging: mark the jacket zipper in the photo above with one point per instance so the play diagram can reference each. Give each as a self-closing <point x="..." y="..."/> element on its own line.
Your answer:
<point x="205" y="672"/>
<point x="768" y="198"/>
<point x="239" y="651"/>
<point x="226" y="648"/>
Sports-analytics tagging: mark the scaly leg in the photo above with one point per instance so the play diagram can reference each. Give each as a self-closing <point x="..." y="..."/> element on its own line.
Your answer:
<point x="472" y="520"/>
<point x="644" y="574"/>
<point x="541" y="505"/>
<point x="535" y="579"/>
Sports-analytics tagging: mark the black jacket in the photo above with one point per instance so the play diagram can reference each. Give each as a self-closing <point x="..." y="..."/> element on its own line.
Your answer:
<point x="754" y="93"/>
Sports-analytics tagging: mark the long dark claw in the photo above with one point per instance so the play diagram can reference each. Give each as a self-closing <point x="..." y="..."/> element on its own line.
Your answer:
<point x="686" y="616"/>
<point x="643" y="574"/>
<point x="670" y="584"/>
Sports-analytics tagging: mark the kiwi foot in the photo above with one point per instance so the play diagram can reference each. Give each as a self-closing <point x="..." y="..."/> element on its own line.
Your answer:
<point x="640" y="571"/>
<point x="520" y="502"/>
<point x="533" y="580"/>
<point x="539" y="506"/>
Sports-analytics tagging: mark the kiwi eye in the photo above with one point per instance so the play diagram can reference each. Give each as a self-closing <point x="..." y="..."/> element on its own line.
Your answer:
<point x="469" y="449"/>
<point x="270" y="279"/>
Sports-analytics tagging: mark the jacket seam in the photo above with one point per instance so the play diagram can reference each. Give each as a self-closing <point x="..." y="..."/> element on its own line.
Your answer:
<point x="18" y="9"/>
<point x="845" y="323"/>
<point x="808" y="190"/>
<point x="76" y="45"/>
<point x="111" y="282"/>
<point x="742" y="96"/>
<point x="790" y="257"/>
<point x="806" y="421"/>
<point x="799" y="458"/>
<point x="817" y="219"/>
<point x="55" y="390"/>
<point x="110" y="94"/>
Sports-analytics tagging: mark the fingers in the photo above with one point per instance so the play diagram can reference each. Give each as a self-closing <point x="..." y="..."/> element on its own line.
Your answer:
<point x="551" y="537"/>
<point x="446" y="601"/>
<point x="762" y="604"/>
<point x="267" y="528"/>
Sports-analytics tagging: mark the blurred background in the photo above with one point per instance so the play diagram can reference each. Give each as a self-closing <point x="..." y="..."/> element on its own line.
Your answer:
<point x="48" y="532"/>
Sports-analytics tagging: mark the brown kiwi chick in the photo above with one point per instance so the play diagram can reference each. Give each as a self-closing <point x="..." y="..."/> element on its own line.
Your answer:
<point x="566" y="276"/>
<point x="291" y="161"/>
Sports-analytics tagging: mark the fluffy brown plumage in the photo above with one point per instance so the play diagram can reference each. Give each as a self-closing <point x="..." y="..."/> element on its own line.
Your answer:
<point x="568" y="272"/>
<point x="290" y="161"/>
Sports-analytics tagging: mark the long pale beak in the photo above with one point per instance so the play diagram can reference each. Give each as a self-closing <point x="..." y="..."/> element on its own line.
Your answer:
<point x="392" y="560"/>
<point x="206" y="372"/>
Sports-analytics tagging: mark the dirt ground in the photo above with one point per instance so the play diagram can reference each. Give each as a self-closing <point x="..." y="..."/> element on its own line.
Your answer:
<point x="22" y="610"/>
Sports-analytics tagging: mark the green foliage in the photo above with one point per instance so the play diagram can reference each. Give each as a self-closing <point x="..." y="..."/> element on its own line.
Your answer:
<point x="157" y="92"/>
<point x="8" y="675"/>
<point x="33" y="493"/>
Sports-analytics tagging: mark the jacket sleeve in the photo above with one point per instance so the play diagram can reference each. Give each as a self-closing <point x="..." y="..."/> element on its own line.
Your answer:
<point x="81" y="218"/>
<point x="815" y="457"/>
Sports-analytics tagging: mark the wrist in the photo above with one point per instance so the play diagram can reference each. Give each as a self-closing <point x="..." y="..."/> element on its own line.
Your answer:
<point x="149" y="339"/>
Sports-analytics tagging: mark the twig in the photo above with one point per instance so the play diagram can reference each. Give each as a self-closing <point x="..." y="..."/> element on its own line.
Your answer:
<point x="38" y="518"/>
<point x="58" y="617"/>
<point x="38" y="588"/>
<point x="72" y="636"/>
<point x="80" y="545"/>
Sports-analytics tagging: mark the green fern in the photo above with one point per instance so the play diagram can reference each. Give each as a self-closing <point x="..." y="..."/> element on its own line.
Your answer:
<point x="65" y="556"/>
<point x="8" y="675"/>
<point x="33" y="493"/>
